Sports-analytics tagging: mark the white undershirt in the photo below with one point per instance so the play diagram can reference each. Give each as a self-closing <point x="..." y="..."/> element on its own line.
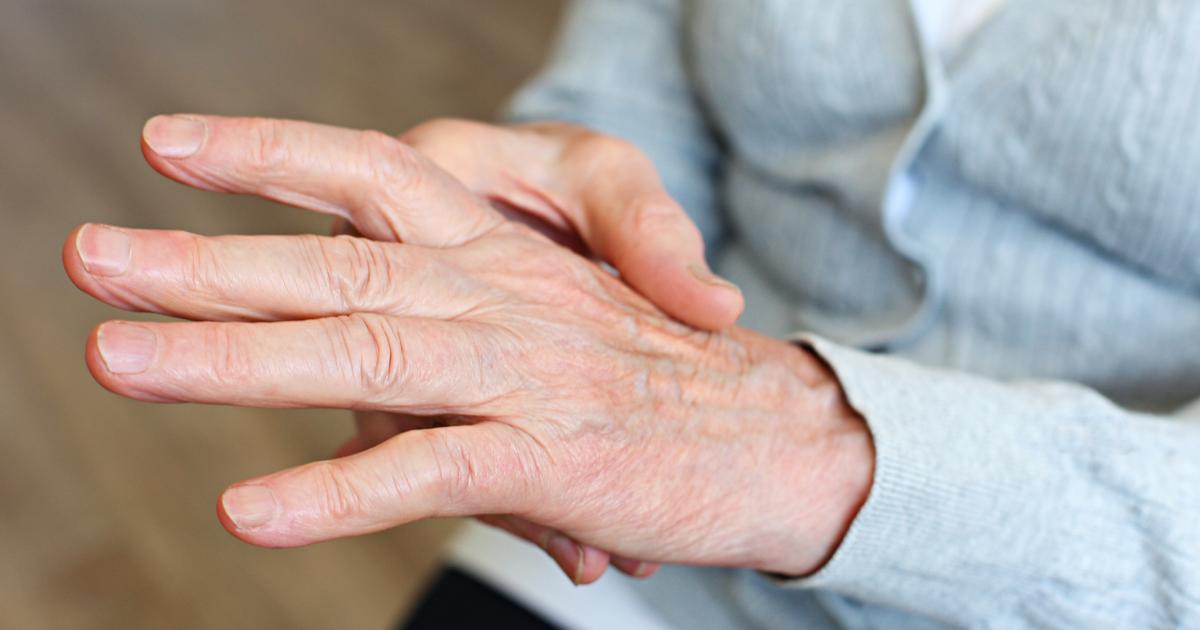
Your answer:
<point x="948" y="23"/>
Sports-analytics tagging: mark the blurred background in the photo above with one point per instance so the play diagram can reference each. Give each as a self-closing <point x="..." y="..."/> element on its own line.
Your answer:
<point x="107" y="506"/>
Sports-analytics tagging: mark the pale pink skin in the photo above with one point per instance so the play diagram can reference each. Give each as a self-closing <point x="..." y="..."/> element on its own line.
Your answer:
<point x="495" y="372"/>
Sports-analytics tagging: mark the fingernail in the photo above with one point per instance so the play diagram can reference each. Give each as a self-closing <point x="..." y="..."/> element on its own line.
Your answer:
<point x="105" y="251"/>
<point x="250" y="507"/>
<point x="701" y="273"/>
<point x="175" y="136"/>
<point x="568" y="554"/>
<point x="126" y="348"/>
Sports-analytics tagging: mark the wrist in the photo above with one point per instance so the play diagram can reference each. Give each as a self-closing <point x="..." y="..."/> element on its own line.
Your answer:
<point x="821" y="476"/>
<point x="835" y="500"/>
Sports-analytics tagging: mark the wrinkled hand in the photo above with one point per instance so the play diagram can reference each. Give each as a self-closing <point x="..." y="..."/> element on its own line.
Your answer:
<point x="601" y="197"/>
<point x="591" y="192"/>
<point x="557" y="394"/>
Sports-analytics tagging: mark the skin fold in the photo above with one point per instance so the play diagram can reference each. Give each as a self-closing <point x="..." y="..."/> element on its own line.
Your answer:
<point x="497" y="369"/>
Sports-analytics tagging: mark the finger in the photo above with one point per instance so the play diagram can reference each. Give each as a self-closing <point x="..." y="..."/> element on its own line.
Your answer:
<point x="629" y="219"/>
<point x="582" y="564"/>
<point x="262" y="278"/>
<point x="454" y="471"/>
<point x="388" y="190"/>
<point x="602" y="187"/>
<point x="659" y="252"/>
<point x="352" y="362"/>
<point x="634" y="568"/>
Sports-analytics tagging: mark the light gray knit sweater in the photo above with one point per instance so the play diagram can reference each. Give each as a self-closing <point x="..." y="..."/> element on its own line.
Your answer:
<point x="1049" y="230"/>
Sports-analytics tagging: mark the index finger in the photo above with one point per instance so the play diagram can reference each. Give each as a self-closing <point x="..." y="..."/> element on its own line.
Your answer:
<point x="388" y="190"/>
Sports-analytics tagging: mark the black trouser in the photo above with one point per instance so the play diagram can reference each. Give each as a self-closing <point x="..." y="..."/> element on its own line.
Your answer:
<point x="456" y="600"/>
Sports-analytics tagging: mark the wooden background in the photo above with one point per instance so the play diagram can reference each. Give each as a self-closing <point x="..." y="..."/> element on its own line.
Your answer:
<point x="106" y="505"/>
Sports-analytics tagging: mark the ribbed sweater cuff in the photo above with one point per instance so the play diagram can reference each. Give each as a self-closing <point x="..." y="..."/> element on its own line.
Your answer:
<point x="919" y="498"/>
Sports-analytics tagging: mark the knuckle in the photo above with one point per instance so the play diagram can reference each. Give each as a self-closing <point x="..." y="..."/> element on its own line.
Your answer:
<point x="358" y="272"/>
<point x="659" y="215"/>
<point x="271" y="151"/>
<point x="486" y="472"/>
<point x="230" y="364"/>
<point x="338" y="498"/>
<point x="457" y="476"/>
<point x="385" y="159"/>
<point x="202" y="270"/>
<point x="394" y="173"/>
<point x="373" y="353"/>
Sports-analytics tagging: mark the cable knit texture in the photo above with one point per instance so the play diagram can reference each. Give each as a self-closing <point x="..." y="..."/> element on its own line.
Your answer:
<point x="1056" y="198"/>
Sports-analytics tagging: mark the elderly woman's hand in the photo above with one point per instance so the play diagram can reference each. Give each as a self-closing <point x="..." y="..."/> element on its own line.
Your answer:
<point x="549" y="390"/>
<point x="601" y="197"/>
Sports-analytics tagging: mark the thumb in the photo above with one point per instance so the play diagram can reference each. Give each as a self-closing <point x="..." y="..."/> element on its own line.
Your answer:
<point x="660" y="252"/>
<point x="629" y="219"/>
<point x="451" y="471"/>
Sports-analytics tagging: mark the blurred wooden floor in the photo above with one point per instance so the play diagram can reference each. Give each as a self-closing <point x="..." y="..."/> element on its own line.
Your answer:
<point x="107" y="506"/>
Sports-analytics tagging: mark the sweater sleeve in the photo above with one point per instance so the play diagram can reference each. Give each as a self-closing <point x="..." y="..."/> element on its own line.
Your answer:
<point x="618" y="67"/>
<point x="1022" y="504"/>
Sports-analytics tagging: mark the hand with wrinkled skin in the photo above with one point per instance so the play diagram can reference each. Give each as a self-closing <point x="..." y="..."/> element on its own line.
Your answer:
<point x="558" y="395"/>
<point x="601" y="197"/>
<point x="594" y="193"/>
